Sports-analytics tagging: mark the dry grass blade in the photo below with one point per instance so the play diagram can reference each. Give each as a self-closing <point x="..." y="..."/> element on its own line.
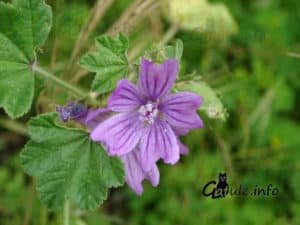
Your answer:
<point x="134" y="14"/>
<point x="131" y="17"/>
<point x="93" y="20"/>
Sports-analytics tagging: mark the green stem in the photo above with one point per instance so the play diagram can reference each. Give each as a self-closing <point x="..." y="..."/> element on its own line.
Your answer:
<point x="293" y="54"/>
<point x="64" y="84"/>
<point x="13" y="126"/>
<point x="60" y="82"/>
<point x="44" y="215"/>
<point x="67" y="213"/>
<point x="225" y="151"/>
<point x="168" y="35"/>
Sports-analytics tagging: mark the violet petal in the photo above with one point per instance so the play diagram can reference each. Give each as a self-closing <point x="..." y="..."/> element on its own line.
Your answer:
<point x="187" y="101"/>
<point x="159" y="141"/>
<point x="95" y="117"/>
<point x="125" y="98"/>
<point x="121" y="133"/>
<point x="156" y="80"/>
<point x="184" y="150"/>
<point x="135" y="173"/>
<point x="183" y="119"/>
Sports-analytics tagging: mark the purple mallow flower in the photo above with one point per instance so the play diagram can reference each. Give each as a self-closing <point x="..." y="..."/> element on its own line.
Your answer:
<point x="72" y="111"/>
<point x="148" y="122"/>
<point x="149" y="118"/>
<point x="135" y="174"/>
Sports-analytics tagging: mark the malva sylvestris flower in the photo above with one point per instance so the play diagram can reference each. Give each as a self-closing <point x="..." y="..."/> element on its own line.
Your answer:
<point x="142" y="123"/>
<point x="148" y="117"/>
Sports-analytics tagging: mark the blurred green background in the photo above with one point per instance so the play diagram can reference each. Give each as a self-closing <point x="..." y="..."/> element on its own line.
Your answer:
<point x="247" y="51"/>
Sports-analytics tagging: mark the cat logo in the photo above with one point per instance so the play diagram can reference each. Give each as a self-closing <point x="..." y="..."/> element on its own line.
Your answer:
<point x="217" y="190"/>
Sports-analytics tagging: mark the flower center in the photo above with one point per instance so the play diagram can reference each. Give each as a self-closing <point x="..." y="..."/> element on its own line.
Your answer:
<point x="148" y="113"/>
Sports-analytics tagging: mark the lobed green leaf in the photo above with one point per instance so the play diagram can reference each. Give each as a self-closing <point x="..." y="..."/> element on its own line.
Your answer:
<point x="24" y="26"/>
<point x="68" y="165"/>
<point x="110" y="62"/>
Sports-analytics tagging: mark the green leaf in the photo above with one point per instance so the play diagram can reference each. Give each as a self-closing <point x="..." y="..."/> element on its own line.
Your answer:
<point x="24" y="26"/>
<point x="171" y="52"/>
<point x="212" y="104"/>
<point x="110" y="63"/>
<point x="68" y="165"/>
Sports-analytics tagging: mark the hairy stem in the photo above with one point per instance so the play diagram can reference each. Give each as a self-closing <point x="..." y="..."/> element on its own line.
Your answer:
<point x="169" y="35"/>
<point x="293" y="54"/>
<point x="64" y="84"/>
<point x="13" y="126"/>
<point x="135" y="13"/>
<point x="225" y="151"/>
<point x="43" y="215"/>
<point x="28" y="212"/>
<point x="67" y="213"/>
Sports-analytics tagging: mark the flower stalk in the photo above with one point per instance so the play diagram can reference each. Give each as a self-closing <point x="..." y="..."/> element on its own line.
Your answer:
<point x="168" y="35"/>
<point x="67" y="213"/>
<point x="14" y="126"/>
<point x="64" y="84"/>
